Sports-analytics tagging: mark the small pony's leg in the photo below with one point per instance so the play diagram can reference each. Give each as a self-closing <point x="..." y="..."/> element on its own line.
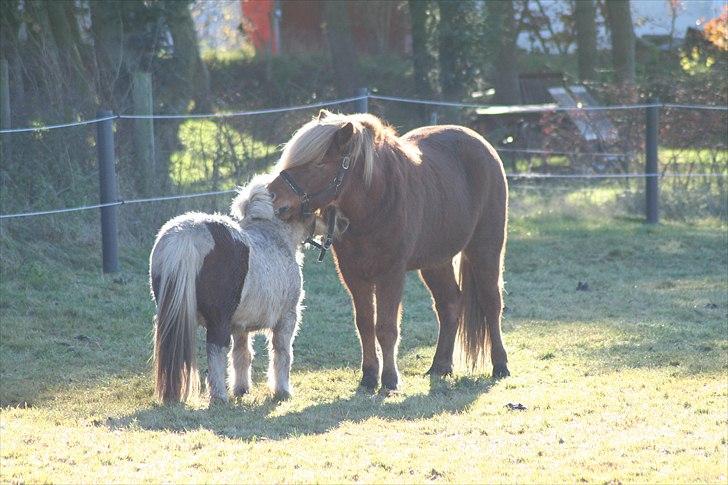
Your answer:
<point x="280" y="347"/>
<point x="241" y="358"/>
<point x="389" y="301"/>
<point x="218" y="346"/>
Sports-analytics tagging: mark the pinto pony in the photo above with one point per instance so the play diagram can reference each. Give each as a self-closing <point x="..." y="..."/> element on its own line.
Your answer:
<point x="234" y="277"/>
<point x="413" y="203"/>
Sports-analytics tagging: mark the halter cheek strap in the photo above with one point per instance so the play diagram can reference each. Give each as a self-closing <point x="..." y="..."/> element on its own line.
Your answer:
<point x="302" y="195"/>
<point x="329" y="239"/>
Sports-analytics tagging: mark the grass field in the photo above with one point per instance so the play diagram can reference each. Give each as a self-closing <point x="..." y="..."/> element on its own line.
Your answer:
<point x="626" y="382"/>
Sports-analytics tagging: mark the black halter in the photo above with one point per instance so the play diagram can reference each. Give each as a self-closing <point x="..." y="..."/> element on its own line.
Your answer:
<point x="329" y="239"/>
<point x="307" y="200"/>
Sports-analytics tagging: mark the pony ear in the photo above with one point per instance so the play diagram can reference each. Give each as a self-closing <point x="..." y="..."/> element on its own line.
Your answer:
<point x="323" y="114"/>
<point x="343" y="135"/>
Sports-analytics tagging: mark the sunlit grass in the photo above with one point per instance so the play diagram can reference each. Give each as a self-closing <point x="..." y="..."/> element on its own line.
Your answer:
<point x="215" y="151"/>
<point x="624" y="382"/>
<point x="699" y="156"/>
<point x="711" y="160"/>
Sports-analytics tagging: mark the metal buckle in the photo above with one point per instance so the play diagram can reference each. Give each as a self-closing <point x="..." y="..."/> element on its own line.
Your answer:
<point x="345" y="162"/>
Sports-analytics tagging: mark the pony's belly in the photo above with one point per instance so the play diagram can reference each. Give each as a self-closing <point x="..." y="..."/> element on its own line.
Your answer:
<point x="267" y="297"/>
<point x="251" y="317"/>
<point x="431" y="251"/>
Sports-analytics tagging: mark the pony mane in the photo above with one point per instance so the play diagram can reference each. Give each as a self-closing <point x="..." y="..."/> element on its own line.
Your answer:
<point x="311" y="142"/>
<point x="253" y="200"/>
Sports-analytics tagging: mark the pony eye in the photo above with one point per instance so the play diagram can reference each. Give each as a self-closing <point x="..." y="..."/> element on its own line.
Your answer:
<point x="319" y="164"/>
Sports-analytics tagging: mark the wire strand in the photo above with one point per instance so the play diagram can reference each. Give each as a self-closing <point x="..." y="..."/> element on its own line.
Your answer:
<point x="530" y="176"/>
<point x="117" y="203"/>
<point x="550" y="152"/>
<point x="182" y="116"/>
<point x="543" y="108"/>
<point x="62" y="125"/>
<point x="243" y="113"/>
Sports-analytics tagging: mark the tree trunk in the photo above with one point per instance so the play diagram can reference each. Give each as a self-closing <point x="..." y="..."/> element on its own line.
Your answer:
<point x="585" y="13"/>
<point x="65" y="31"/>
<point x="619" y="19"/>
<point x="108" y="32"/>
<point x="421" y="61"/>
<point x="452" y="48"/>
<point x="501" y="16"/>
<point x="41" y="37"/>
<point x="10" y="49"/>
<point x="341" y="47"/>
<point x="188" y="64"/>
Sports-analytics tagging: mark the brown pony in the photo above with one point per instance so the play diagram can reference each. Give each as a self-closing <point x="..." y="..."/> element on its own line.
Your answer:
<point x="412" y="202"/>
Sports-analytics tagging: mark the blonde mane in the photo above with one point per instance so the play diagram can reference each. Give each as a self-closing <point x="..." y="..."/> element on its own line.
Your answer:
<point x="311" y="142"/>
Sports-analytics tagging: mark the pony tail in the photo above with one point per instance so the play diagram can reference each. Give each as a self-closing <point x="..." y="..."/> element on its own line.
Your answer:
<point x="473" y="332"/>
<point x="176" y="320"/>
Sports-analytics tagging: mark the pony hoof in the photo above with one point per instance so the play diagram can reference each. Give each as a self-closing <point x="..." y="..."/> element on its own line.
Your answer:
<point x="280" y="396"/>
<point x="218" y="400"/>
<point x="500" y="371"/>
<point x="385" y="392"/>
<point x="439" y="370"/>
<point x="390" y="381"/>
<point x="370" y="380"/>
<point x="240" y="391"/>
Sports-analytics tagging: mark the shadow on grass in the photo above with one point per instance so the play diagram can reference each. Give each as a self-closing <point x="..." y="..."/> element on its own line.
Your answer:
<point x="245" y="420"/>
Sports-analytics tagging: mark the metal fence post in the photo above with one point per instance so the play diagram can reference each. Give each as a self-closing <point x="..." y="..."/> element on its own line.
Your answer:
<point x="652" y="121"/>
<point x="108" y="192"/>
<point x="362" y="105"/>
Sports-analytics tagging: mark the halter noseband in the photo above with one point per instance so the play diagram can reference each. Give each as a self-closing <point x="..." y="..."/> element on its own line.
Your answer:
<point x="306" y="200"/>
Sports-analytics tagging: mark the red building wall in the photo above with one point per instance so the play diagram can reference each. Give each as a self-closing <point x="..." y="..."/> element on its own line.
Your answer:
<point x="376" y="26"/>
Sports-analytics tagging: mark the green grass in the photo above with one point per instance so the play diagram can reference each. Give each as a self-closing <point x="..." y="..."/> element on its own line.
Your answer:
<point x="672" y="160"/>
<point x="217" y="152"/>
<point x="624" y="382"/>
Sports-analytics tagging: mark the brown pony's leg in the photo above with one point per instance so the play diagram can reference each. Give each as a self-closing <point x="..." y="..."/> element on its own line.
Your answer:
<point x="389" y="298"/>
<point x="362" y="296"/>
<point x="486" y="255"/>
<point x="446" y="303"/>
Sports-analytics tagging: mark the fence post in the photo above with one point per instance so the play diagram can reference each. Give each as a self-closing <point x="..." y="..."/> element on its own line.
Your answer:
<point x="652" y="122"/>
<point x="362" y="105"/>
<point x="107" y="192"/>
<point x="144" y="131"/>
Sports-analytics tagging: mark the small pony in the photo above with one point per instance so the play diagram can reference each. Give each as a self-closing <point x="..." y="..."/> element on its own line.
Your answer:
<point x="232" y="275"/>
